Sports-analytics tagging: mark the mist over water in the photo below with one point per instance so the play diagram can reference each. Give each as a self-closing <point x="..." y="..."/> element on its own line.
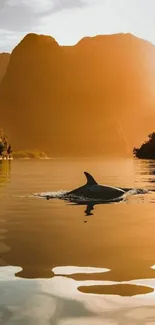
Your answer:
<point x="62" y="265"/>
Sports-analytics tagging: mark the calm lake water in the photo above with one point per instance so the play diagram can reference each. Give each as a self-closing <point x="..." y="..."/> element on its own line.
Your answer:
<point x="60" y="266"/>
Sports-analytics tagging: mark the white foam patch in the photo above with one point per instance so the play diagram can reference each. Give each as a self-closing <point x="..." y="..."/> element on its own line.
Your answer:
<point x="135" y="192"/>
<point x="153" y="267"/>
<point x="68" y="270"/>
<point x="45" y="195"/>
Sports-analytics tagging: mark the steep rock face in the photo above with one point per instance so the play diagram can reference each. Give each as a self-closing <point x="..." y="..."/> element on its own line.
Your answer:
<point x="96" y="97"/>
<point x="4" y="61"/>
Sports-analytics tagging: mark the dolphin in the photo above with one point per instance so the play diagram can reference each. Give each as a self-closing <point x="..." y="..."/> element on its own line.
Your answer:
<point x="92" y="194"/>
<point x="92" y="190"/>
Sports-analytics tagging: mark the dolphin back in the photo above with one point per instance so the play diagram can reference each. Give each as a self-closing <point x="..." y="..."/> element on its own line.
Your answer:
<point x="90" y="179"/>
<point x="83" y="190"/>
<point x="93" y="190"/>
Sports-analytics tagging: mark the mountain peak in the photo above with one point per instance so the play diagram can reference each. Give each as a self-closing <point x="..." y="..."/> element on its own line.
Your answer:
<point x="110" y="37"/>
<point x="32" y="37"/>
<point x="34" y="43"/>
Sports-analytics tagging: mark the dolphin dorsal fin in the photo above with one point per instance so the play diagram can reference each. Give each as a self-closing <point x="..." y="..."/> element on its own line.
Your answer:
<point x="90" y="179"/>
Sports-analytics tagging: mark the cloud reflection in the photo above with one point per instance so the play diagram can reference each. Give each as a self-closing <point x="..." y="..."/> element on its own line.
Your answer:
<point x="58" y="301"/>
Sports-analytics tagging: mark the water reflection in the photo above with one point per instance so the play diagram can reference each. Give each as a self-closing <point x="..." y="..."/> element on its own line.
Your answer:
<point x="90" y="206"/>
<point x="147" y="170"/>
<point x="124" y="290"/>
<point x="38" y="235"/>
<point x="41" y="239"/>
<point x="5" y="172"/>
<point x="58" y="301"/>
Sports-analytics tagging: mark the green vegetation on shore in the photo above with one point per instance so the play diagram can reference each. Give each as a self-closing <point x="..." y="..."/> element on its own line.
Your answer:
<point x="6" y="151"/>
<point x="29" y="154"/>
<point x="147" y="149"/>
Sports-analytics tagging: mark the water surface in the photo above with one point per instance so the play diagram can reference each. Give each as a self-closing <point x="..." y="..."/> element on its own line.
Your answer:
<point x="50" y="251"/>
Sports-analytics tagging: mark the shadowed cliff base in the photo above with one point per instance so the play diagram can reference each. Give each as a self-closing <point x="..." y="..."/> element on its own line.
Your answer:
<point x="94" y="98"/>
<point x="4" y="62"/>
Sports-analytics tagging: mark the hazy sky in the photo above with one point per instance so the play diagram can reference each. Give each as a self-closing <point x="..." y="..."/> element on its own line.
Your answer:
<point x="70" y="20"/>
